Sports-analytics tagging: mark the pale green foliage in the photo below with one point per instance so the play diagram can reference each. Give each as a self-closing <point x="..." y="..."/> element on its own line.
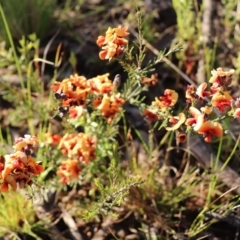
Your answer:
<point x="119" y="184"/>
<point x="17" y="216"/>
<point x="26" y="45"/>
<point x="186" y="18"/>
<point x="230" y="19"/>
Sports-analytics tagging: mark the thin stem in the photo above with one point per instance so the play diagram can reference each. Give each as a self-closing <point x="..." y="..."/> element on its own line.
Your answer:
<point x="12" y="46"/>
<point x="230" y="156"/>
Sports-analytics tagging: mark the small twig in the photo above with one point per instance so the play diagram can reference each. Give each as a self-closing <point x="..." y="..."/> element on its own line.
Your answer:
<point x="46" y="51"/>
<point x="68" y="220"/>
<point x="168" y="62"/>
<point x="229" y="218"/>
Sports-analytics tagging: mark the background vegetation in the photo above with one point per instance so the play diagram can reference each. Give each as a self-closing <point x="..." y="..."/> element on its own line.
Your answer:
<point x="143" y="186"/>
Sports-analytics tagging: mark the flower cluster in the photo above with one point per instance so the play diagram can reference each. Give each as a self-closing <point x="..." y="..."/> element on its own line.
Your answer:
<point x="160" y="108"/>
<point x="18" y="168"/>
<point x="218" y="97"/>
<point x="76" y="92"/>
<point x="113" y="43"/>
<point x="80" y="150"/>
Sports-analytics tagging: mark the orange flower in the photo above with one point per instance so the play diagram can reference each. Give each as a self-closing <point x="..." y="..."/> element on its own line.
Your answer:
<point x="55" y="87"/>
<point x="236" y="113"/>
<point x="101" y="41"/>
<point x="110" y="105"/>
<point x="121" y="31"/>
<point x="68" y="170"/>
<point x="18" y="168"/>
<point x="220" y="77"/>
<point x="9" y="180"/>
<point x="109" y="51"/>
<point x="221" y="100"/>
<point x="80" y="147"/>
<point x="177" y="122"/>
<point x="33" y="167"/>
<point x="150" y="116"/>
<point x="168" y="100"/>
<point x="101" y="84"/>
<point x="195" y="113"/>
<point x="14" y="161"/>
<point x="209" y="128"/>
<point x="116" y="34"/>
<point x="113" y="43"/>
<point x="4" y="187"/>
<point x="19" y="161"/>
<point x="72" y="91"/>
<point x="201" y="91"/>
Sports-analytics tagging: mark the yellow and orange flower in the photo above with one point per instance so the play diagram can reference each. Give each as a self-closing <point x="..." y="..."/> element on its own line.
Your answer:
<point x="209" y="129"/>
<point x="110" y="105"/>
<point x="220" y="77"/>
<point x="68" y="170"/>
<point x="177" y="122"/>
<point x="114" y="35"/>
<point x="221" y="100"/>
<point x="201" y="91"/>
<point x="80" y="147"/>
<point x="18" y="168"/>
<point x="236" y="113"/>
<point x="111" y="50"/>
<point x="195" y="113"/>
<point x="101" y="84"/>
<point x="113" y="42"/>
<point x="168" y="100"/>
<point x="101" y="41"/>
<point x="201" y="126"/>
<point x="72" y="91"/>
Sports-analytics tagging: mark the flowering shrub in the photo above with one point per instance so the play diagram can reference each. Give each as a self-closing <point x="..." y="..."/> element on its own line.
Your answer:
<point x="76" y="92"/>
<point x="217" y="98"/>
<point x="87" y="102"/>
